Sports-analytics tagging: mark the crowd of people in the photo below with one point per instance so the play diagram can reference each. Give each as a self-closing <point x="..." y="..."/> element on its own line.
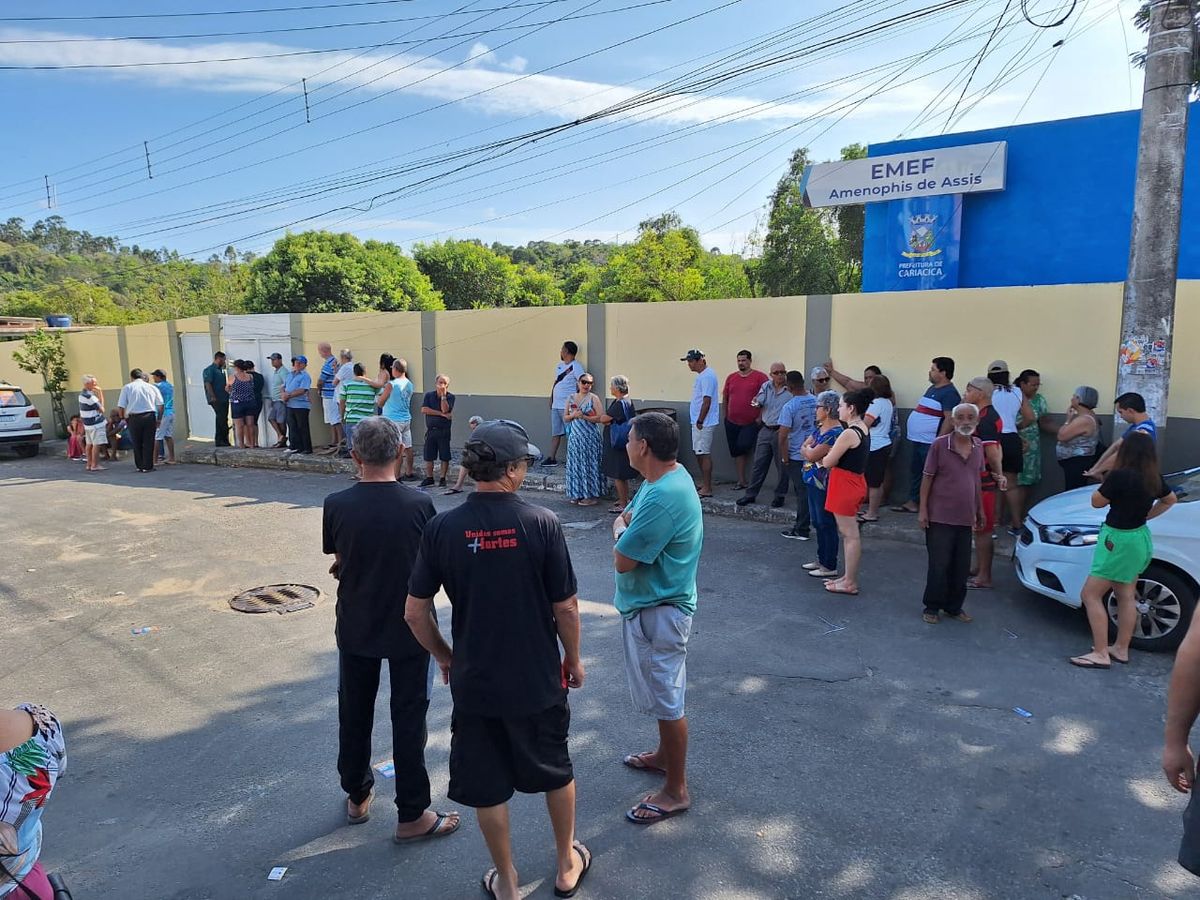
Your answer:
<point x="143" y="421"/>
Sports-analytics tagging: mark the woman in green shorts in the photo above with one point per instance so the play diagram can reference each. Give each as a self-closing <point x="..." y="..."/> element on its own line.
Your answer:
<point x="1134" y="492"/>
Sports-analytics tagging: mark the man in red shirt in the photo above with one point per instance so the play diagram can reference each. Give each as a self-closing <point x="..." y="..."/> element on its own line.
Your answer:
<point x="979" y="392"/>
<point x="741" y="417"/>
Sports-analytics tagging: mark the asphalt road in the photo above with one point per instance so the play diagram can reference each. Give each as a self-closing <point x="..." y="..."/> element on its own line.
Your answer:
<point x="840" y="746"/>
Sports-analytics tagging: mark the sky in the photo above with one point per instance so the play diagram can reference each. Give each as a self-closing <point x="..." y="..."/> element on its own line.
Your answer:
<point x="504" y="120"/>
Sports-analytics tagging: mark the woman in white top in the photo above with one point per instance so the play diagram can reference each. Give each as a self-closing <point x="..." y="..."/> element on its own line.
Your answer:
<point x="879" y="417"/>
<point x="1015" y="413"/>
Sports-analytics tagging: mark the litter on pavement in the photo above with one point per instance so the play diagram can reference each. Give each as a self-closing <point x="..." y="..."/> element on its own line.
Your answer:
<point x="387" y="768"/>
<point x="144" y="629"/>
<point x="1023" y="713"/>
<point x="277" y="873"/>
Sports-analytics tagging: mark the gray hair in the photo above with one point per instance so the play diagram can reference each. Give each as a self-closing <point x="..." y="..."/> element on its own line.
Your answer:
<point x="971" y="406"/>
<point x="88" y="379"/>
<point x="829" y="401"/>
<point x="347" y="355"/>
<point x="1088" y="396"/>
<point x="376" y="441"/>
<point x="619" y="383"/>
<point x="475" y="420"/>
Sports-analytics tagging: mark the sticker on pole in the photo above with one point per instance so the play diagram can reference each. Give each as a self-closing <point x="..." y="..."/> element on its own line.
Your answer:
<point x="1143" y="355"/>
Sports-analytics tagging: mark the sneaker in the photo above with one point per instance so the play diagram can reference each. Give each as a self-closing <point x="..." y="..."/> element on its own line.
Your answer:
<point x="427" y="482"/>
<point x="745" y="501"/>
<point x="1014" y="532"/>
<point x="442" y="482"/>
<point x="549" y="462"/>
<point x="777" y="502"/>
<point x="809" y="567"/>
<point x="793" y="534"/>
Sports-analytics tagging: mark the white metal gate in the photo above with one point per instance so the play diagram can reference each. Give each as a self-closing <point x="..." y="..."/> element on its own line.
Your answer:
<point x="258" y="350"/>
<point x="197" y="355"/>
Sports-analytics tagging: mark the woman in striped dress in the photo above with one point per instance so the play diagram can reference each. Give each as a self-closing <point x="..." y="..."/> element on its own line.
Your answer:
<point x="585" y="446"/>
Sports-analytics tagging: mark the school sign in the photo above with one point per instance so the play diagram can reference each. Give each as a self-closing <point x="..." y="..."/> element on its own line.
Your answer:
<point x="924" y="195"/>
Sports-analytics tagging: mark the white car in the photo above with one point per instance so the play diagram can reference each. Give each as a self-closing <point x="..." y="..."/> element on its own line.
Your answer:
<point x="1054" y="554"/>
<point x="20" y="422"/>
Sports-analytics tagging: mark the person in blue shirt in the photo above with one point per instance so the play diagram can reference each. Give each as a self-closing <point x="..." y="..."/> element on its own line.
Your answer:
<point x="659" y="538"/>
<point x="166" y="420"/>
<point x="1131" y="408"/>
<point x="295" y="397"/>
<point x="796" y="421"/>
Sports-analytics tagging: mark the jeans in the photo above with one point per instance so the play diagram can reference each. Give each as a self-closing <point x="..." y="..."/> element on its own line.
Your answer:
<point x="299" y="437"/>
<point x="916" y="470"/>
<point x="220" y="410"/>
<point x="141" y="431"/>
<point x="766" y="449"/>
<point x="358" y="683"/>
<point x="825" y="525"/>
<point x="949" y="549"/>
<point x="348" y="431"/>
<point x="795" y="468"/>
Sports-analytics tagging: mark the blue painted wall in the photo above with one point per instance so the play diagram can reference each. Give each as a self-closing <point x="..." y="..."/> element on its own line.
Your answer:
<point x="1066" y="214"/>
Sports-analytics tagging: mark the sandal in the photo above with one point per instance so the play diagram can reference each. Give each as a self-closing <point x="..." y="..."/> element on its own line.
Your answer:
<point x="835" y="587"/>
<point x="1087" y="663"/>
<point x="616" y="510"/>
<point x="658" y="813"/>
<point x="435" y="830"/>
<point x="866" y="520"/>
<point x="449" y="491"/>
<point x="586" y="855"/>
<point x="929" y="618"/>
<point x="638" y="761"/>
<point x="488" y="882"/>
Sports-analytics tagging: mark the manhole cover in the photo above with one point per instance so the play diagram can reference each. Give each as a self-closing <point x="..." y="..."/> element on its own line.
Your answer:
<point x="280" y="598"/>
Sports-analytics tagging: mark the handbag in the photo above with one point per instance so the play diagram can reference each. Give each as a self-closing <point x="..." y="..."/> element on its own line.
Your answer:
<point x="618" y="432"/>
<point x="815" y="476"/>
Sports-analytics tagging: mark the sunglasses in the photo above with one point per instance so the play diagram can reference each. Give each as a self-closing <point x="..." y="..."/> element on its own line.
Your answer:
<point x="587" y="382"/>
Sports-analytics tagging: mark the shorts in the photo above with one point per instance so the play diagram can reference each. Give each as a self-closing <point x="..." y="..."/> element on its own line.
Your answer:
<point x="1012" y="454"/>
<point x="1122" y="556"/>
<point x="437" y="444"/>
<point x="702" y="439"/>
<point x="245" y="410"/>
<point x="277" y="412"/>
<point x="166" y="428"/>
<point x="95" y="435"/>
<point x="405" y="429"/>
<point x="333" y="413"/>
<point x="846" y="492"/>
<point x="656" y="641"/>
<point x="989" y="512"/>
<point x="877" y="463"/>
<point x="491" y="757"/>
<point x="741" y="438"/>
<point x="558" y="427"/>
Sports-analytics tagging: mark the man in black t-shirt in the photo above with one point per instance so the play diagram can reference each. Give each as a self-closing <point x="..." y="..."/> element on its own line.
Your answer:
<point x="374" y="529"/>
<point x="505" y="567"/>
<point x="979" y="392"/>
<point x="438" y="407"/>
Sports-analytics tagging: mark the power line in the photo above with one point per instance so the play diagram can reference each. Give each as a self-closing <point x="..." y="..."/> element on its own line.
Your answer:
<point x="223" y="12"/>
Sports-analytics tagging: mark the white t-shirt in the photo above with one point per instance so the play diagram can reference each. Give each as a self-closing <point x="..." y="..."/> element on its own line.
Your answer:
<point x="1008" y="404"/>
<point x="568" y="384"/>
<point x="344" y="374"/>
<point x="139" y="397"/>
<point x="881" y="432"/>
<point x="706" y="386"/>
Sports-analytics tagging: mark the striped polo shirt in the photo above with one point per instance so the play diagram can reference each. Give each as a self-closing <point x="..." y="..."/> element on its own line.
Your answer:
<point x="360" y="400"/>
<point x="925" y="420"/>
<point x="89" y="409"/>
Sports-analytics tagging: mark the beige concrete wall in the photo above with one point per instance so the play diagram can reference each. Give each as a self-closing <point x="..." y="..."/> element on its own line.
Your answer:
<point x="96" y="352"/>
<point x="1185" y="361"/>
<point x="1068" y="333"/>
<point x="148" y="347"/>
<point x="194" y="325"/>
<point x="646" y="340"/>
<point x="499" y="352"/>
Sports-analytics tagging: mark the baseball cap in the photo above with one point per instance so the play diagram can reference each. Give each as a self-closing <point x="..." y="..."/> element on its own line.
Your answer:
<point x="160" y="373"/>
<point x="998" y="365"/>
<point x="818" y="372"/>
<point x="303" y="359"/>
<point x="275" y="356"/>
<point x="983" y="385"/>
<point x="691" y="355"/>
<point x="503" y="440"/>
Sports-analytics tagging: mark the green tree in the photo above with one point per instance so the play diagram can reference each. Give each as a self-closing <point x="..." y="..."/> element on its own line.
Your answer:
<point x="44" y="353"/>
<point x="317" y="271"/>
<point x="724" y="276"/>
<point x="532" y="287"/>
<point x="467" y="274"/>
<point x="851" y="226"/>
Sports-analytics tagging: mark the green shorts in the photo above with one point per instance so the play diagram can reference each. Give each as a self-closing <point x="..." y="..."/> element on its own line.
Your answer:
<point x="1122" y="556"/>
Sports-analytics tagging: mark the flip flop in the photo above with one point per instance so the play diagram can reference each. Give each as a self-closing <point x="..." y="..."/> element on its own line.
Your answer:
<point x="1082" y="663"/>
<point x="1123" y="662"/>
<point x="366" y="813"/>
<point x="616" y="509"/>
<point x="863" y="520"/>
<point x="637" y="761"/>
<point x="704" y="496"/>
<point x="489" y="880"/>
<point x="586" y="855"/>
<point x="831" y="586"/>
<point x="659" y="813"/>
<point x="433" y="831"/>
<point x="929" y="618"/>
<point x="976" y="586"/>
<point x="450" y="491"/>
<point x="903" y="509"/>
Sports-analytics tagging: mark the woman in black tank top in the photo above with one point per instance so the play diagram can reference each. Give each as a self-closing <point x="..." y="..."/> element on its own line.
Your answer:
<point x="847" y="462"/>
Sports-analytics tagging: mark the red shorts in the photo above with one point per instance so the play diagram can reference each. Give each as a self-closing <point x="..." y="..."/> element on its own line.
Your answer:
<point x="846" y="493"/>
<point x="989" y="512"/>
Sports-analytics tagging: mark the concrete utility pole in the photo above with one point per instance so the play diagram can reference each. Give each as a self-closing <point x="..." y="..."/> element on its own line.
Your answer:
<point x="1148" y="303"/>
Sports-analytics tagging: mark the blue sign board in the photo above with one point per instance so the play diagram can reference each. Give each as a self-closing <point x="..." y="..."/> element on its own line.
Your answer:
<point x="923" y="242"/>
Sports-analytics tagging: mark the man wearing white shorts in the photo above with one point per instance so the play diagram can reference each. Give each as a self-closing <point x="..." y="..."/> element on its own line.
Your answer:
<point x="329" y="400"/>
<point x="705" y="415"/>
<point x="659" y="537"/>
<point x="91" y="410"/>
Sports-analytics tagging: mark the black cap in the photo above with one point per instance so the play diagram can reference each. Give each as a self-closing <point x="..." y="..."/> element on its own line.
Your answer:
<point x="275" y="356"/>
<point x="160" y="373"/>
<point x="502" y="440"/>
<point x="692" y="355"/>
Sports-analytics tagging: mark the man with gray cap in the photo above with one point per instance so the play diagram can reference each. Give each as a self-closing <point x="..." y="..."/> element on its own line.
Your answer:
<point x="506" y="570"/>
<point x="295" y="396"/>
<point x="373" y="531"/>
<point x="276" y="409"/>
<point x="704" y="414"/>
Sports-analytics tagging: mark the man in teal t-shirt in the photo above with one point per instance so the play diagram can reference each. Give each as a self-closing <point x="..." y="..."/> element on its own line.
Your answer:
<point x="659" y="538"/>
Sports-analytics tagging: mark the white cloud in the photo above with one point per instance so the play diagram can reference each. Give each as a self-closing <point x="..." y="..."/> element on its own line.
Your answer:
<point x="563" y="97"/>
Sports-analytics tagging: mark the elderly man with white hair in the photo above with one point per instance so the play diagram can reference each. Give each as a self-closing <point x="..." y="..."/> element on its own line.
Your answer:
<point x="325" y="387"/>
<point x="344" y="374"/>
<point x="91" y="410"/>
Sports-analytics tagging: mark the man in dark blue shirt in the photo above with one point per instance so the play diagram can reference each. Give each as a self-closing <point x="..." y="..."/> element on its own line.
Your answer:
<point x="216" y="391"/>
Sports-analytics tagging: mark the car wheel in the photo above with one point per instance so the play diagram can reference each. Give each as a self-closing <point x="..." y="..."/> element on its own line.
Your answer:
<point x="1165" y="606"/>
<point x="25" y="451"/>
